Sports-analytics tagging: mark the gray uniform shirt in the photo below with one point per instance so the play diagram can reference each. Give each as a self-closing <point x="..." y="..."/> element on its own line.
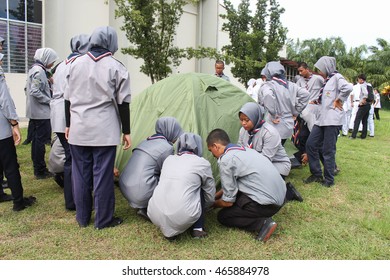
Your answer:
<point x="336" y="88"/>
<point x="94" y="89"/>
<point x="267" y="142"/>
<point x="57" y="106"/>
<point x="175" y="204"/>
<point x="251" y="173"/>
<point x="38" y="95"/>
<point x="282" y="103"/>
<point x="7" y="110"/>
<point x="142" y="172"/>
<point x="313" y="84"/>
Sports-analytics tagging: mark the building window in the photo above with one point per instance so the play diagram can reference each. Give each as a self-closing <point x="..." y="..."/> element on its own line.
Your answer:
<point x="21" y="28"/>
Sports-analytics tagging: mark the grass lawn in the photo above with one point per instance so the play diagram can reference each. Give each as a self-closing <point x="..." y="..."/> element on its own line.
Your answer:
<point x="349" y="221"/>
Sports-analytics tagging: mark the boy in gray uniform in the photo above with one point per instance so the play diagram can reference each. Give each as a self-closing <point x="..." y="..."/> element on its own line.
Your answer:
<point x="282" y="99"/>
<point x="142" y="172"/>
<point x="9" y="137"/>
<point x="264" y="138"/>
<point x="186" y="188"/>
<point x="329" y="120"/>
<point x="97" y="100"/>
<point x="79" y="45"/>
<point x="252" y="189"/>
<point x="38" y="96"/>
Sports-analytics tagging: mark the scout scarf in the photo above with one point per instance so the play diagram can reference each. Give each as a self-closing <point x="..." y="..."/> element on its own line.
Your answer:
<point x="156" y="136"/>
<point x="71" y="57"/>
<point x="253" y="132"/>
<point x="97" y="53"/>
<point x="281" y="80"/>
<point x="318" y="101"/>
<point x="186" y="152"/>
<point x="231" y="147"/>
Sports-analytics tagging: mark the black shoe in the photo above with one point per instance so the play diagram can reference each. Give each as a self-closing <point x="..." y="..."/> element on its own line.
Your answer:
<point x="198" y="234"/>
<point x="26" y="142"/>
<point x="296" y="195"/>
<point x="4" y="185"/>
<point x="172" y="238"/>
<point x="266" y="230"/>
<point x="312" y="179"/>
<point x="59" y="179"/>
<point x="295" y="163"/>
<point x="327" y="184"/>
<point x="26" y="202"/>
<point x="6" y="197"/>
<point x="44" y="175"/>
<point x="116" y="221"/>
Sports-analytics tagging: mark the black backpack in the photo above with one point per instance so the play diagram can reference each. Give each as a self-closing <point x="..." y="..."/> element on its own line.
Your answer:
<point x="370" y="97"/>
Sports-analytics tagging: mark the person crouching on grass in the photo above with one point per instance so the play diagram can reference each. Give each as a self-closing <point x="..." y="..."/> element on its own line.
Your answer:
<point x="185" y="190"/>
<point x="252" y="189"/>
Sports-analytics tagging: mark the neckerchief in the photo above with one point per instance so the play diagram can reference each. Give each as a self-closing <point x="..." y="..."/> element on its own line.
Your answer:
<point x="231" y="147"/>
<point x="323" y="86"/>
<point x="186" y="152"/>
<point x="307" y="81"/>
<point x="280" y="81"/>
<point x="98" y="53"/>
<point x="156" y="136"/>
<point x="71" y="57"/>
<point x="253" y="132"/>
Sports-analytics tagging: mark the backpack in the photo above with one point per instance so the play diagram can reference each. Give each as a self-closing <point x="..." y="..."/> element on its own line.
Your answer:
<point x="370" y="97"/>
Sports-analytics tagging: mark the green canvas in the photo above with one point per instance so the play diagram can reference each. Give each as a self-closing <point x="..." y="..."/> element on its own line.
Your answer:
<point x="200" y="102"/>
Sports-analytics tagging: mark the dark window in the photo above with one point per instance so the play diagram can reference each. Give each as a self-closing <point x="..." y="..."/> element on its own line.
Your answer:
<point x="22" y="37"/>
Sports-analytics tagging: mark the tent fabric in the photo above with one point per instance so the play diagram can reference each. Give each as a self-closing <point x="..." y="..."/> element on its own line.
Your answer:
<point x="200" y="102"/>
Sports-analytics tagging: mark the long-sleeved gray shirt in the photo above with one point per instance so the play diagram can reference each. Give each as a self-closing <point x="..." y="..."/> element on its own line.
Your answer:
<point x="7" y="110"/>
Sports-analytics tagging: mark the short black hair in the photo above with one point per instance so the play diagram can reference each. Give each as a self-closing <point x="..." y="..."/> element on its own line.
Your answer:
<point x="303" y="64"/>
<point x="362" y="76"/>
<point x="218" y="136"/>
<point x="219" y="62"/>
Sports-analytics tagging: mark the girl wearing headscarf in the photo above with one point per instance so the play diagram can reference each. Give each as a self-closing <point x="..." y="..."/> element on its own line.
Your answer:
<point x="282" y="99"/>
<point x="329" y="119"/>
<point x="264" y="138"/>
<point x="186" y="188"/>
<point x="97" y="108"/>
<point x="142" y="172"/>
<point x="79" y="46"/>
<point x="38" y="97"/>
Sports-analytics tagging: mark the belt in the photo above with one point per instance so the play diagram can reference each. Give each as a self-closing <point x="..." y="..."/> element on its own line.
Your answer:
<point x="356" y="100"/>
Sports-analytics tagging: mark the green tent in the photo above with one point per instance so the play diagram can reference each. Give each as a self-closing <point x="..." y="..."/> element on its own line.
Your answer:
<point x="200" y="102"/>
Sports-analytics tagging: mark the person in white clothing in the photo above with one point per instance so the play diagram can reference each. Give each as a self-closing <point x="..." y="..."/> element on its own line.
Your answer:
<point x="377" y="104"/>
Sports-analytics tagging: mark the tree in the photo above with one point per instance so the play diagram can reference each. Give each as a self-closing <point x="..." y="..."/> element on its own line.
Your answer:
<point x="378" y="64"/>
<point x="150" y="26"/>
<point x="255" y="40"/>
<point x="311" y="50"/>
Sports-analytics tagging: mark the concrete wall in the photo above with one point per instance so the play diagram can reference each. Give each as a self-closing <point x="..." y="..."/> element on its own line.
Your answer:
<point x="16" y="84"/>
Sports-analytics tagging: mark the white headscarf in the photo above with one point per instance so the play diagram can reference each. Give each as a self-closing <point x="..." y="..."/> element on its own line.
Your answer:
<point x="46" y="56"/>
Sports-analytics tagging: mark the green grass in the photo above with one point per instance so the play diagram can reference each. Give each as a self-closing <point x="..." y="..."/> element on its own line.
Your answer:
<point x="348" y="221"/>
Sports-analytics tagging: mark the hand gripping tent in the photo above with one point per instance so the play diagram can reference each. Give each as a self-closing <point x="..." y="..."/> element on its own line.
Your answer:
<point x="200" y="102"/>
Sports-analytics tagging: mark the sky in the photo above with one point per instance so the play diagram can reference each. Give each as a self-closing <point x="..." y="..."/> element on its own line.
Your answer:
<point x="357" y="22"/>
